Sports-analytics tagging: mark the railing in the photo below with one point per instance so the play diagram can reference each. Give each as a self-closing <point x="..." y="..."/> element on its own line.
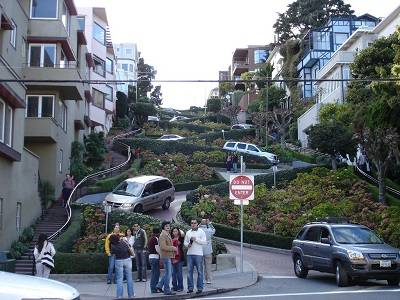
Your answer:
<point x="91" y="176"/>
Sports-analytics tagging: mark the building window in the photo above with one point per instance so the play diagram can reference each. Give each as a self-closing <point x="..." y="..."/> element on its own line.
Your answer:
<point x="63" y="115"/>
<point x="125" y="67"/>
<point x="128" y="51"/>
<point x="98" y="98"/>
<point x="42" y="55"/>
<point x="40" y="106"/>
<point x="109" y="66"/>
<point x="18" y="217"/>
<point x="99" y="66"/>
<point x="81" y="22"/>
<point x="60" y="161"/>
<point x="63" y="60"/>
<point x="1" y="213"/>
<point x="110" y="93"/>
<point x="260" y="56"/>
<point x="6" y="123"/>
<point x="99" y="33"/>
<point x="13" y="35"/>
<point x="65" y="17"/>
<point x="130" y="68"/>
<point x="44" y="9"/>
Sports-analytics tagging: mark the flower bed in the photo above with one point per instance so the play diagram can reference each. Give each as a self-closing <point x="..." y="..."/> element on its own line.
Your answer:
<point x="318" y="194"/>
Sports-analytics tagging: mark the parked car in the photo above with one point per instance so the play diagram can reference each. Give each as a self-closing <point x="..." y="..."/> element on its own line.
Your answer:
<point x="142" y="193"/>
<point x="171" y="137"/>
<point x="250" y="149"/>
<point x="153" y="119"/>
<point x="350" y="251"/>
<point x="178" y="118"/>
<point x="17" y="286"/>
<point x="242" y="126"/>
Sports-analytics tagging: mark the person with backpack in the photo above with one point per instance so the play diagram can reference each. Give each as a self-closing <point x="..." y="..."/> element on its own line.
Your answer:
<point x="43" y="253"/>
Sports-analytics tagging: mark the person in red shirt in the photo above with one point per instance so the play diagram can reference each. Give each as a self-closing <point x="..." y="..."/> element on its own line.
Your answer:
<point x="177" y="262"/>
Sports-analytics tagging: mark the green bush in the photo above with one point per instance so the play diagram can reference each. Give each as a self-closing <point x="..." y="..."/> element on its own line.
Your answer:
<point x="228" y="134"/>
<point x="188" y="186"/>
<point x="47" y="193"/>
<point x="80" y="263"/>
<point x="17" y="249"/>
<point x="27" y="235"/>
<point x="252" y="237"/>
<point x="67" y="239"/>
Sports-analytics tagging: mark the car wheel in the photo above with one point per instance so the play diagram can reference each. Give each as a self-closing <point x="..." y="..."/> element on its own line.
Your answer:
<point x="393" y="281"/>
<point x="166" y="204"/>
<point x="299" y="268"/>
<point x="342" y="278"/>
<point x="138" y="209"/>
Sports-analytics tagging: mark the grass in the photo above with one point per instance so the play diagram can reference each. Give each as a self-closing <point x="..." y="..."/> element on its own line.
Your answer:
<point x="391" y="200"/>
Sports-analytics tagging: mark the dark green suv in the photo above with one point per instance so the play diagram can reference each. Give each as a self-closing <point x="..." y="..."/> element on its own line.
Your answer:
<point x="350" y="251"/>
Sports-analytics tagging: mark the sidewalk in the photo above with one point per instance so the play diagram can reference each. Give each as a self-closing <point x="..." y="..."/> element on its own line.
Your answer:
<point x="93" y="286"/>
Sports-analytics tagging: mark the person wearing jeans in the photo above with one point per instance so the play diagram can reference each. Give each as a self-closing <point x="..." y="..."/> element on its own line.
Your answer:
<point x="123" y="264"/>
<point x="209" y="230"/>
<point x="195" y="239"/>
<point x="177" y="262"/>
<point x="154" y="259"/>
<point x="111" y="257"/>
<point x="167" y="251"/>
<point x="139" y="246"/>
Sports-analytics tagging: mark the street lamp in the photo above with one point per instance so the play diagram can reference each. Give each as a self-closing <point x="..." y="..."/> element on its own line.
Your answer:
<point x="266" y="115"/>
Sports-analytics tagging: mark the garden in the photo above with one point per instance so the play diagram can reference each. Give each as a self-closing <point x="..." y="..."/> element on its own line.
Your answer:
<point x="280" y="213"/>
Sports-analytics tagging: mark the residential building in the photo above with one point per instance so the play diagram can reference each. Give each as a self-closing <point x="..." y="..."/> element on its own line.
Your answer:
<point x="127" y="57"/>
<point x="338" y="67"/>
<point x="321" y="43"/>
<point x="101" y="59"/>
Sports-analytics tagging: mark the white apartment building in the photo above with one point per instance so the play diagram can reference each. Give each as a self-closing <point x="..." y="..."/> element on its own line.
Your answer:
<point x="127" y="57"/>
<point x="101" y="59"/>
<point x="338" y="67"/>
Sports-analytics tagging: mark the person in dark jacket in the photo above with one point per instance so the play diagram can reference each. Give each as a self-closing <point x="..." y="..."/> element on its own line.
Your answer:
<point x="139" y="246"/>
<point x="154" y="258"/>
<point x="123" y="264"/>
<point x="177" y="262"/>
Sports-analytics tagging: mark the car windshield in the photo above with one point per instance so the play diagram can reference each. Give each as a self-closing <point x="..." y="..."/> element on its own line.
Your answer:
<point x="129" y="188"/>
<point x="355" y="235"/>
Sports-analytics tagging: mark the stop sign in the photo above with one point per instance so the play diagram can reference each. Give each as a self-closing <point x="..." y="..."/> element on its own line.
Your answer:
<point x="241" y="187"/>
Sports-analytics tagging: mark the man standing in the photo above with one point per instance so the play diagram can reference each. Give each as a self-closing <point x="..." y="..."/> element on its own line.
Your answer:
<point x="154" y="258"/>
<point x="111" y="257"/>
<point x="167" y="251"/>
<point x="209" y="230"/>
<point x="140" y="253"/>
<point x="68" y="186"/>
<point x="195" y="239"/>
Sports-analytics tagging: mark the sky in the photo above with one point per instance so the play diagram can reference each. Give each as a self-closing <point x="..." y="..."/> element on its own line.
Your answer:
<point x="194" y="39"/>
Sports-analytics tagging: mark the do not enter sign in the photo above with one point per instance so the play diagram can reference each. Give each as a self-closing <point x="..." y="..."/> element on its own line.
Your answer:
<point x="241" y="187"/>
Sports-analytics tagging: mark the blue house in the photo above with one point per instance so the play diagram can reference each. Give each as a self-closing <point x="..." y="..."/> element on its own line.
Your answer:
<point x="321" y="43"/>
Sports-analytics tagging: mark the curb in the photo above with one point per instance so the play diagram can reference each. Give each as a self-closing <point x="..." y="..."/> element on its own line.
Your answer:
<point x="255" y="247"/>
<point x="187" y="296"/>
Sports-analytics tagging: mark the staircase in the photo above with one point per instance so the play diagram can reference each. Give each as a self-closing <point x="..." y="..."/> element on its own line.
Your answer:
<point x="53" y="219"/>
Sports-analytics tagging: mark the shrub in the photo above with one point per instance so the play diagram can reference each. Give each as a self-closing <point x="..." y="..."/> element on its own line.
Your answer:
<point x="65" y="242"/>
<point x="27" y="235"/>
<point x="17" y="249"/>
<point x="79" y="263"/>
<point x="47" y="193"/>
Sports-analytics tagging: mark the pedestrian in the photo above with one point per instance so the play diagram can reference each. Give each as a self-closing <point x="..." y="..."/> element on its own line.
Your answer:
<point x="167" y="251"/>
<point x="44" y="252"/>
<point x="229" y="163"/>
<point x="140" y="253"/>
<point x="123" y="264"/>
<point x="235" y="159"/>
<point x="195" y="239"/>
<point x="177" y="262"/>
<point x="154" y="259"/>
<point x="129" y="238"/>
<point x="209" y="230"/>
<point x="67" y="188"/>
<point x="111" y="257"/>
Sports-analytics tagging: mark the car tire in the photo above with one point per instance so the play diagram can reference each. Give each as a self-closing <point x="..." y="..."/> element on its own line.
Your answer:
<point x="393" y="281"/>
<point x="342" y="278"/>
<point x="138" y="209"/>
<point x="300" y="269"/>
<point x="166" y="204"/>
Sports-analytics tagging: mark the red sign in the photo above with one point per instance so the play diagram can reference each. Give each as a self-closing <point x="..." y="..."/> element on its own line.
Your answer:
<point x="241" y="187"/>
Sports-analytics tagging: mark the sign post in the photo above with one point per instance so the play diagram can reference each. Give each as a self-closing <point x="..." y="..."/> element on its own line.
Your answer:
<point x="241" y="189"/>
<point x="107" y="209"/>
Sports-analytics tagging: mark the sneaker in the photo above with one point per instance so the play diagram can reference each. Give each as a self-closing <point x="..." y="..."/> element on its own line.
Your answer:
<point x="179" y="290"/>
<point x="208" y="282"/>
<point x="108" y="281"/>
<point x="144" y="280"/>
<point x="199" y="291"/>
<point x="190" y="291"/>
<point x="160" y="290"/>
<point x="138" y="280"/>
<point x="170" y="293"/>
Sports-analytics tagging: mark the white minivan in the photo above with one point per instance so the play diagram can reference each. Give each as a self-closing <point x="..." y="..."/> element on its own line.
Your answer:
<point x="250" y="149"/>
<point x="142" y="193"/>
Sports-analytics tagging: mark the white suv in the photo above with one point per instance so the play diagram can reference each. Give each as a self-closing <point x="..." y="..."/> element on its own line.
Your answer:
<point x="250" y="149"/>
<point x="242" y="126"/>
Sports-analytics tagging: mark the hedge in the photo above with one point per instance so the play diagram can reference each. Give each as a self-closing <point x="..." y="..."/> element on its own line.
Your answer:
<point x="216" y="118"/>
<point x="222" y="188"/>
<point x="188" y="186"/>
<point x="258" y="166"/>
<point x="229" y="135"/>
<point x="65" y="242"/>
<point x="81" y="263"/>
<point x="253" y="237"/>
<point x="182" y="125"/>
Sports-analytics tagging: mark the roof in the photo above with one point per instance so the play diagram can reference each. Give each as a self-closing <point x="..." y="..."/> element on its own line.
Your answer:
<point x="145" y="178"/>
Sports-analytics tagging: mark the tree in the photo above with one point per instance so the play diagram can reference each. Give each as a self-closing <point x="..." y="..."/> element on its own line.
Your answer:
<point x="141" y="111"/>
<point x="303" y="15"/>
<point x="95" y="150"/>
<point x="156" y="96"/>
<point x="281" y="118"/>
<point x="225" y="88"/>
<point x="214" y="105"/>
<point x="232" y="111"/>
<point x="146" y="73"/>
<point x="332" y="138"/>
<point x="259" y="120"/>
<point x="121" y="105"/>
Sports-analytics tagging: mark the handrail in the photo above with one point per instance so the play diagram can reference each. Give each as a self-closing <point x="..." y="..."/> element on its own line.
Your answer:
<point x="103" y="172"/>
<point x="375" y="181"/>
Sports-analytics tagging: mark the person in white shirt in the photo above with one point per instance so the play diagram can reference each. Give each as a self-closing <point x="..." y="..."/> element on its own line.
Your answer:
<point x="209" y="230"/>
<point x="44" y="252"/>
<point x="195" y="239"/>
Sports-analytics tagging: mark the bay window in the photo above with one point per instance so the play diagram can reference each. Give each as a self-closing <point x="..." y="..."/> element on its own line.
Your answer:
<point x="109" y="66"/>
<point x="110" y="93"/>
<point x="99" y="66"/>
<point x="44" y="9"/>
<point x="65" y="17"/>
<point x="40" y="106"/>
<point x="42" y="55"/>
<point x="99" y="33"/>
<point x="6" y="123"/>
<point x="98" y="98"/>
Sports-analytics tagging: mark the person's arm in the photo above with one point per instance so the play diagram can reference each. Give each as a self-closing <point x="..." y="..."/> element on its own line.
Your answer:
<point x="212" y="228"/>
<point x="52" y="249"/>
<point x="163" y="244"/>
<point x="36" y="253"/>
<point x="107" y="245"/>
<point x="186" y="242"/>
<point x="201" y="237"/>
<point x="145" y="239"/>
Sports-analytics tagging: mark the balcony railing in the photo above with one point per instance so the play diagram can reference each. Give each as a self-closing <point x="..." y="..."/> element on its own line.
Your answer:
<point x="339" y="57"/>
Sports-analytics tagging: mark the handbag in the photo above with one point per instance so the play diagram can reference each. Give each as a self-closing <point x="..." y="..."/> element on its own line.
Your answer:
<point x="47" y="260"/>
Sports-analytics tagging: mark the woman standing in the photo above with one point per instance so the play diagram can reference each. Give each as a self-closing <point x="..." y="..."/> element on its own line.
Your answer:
<point x="123" y="264"/>
<point x="177" y="261"/>
<point x="129" y="238"/>
<point x="44" y="252"/>
<point x="154" y="258"/>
